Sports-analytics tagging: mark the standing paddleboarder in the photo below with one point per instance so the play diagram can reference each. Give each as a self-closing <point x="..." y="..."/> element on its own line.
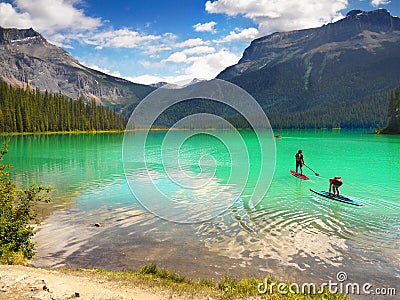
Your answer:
<point x="299" y="161"/>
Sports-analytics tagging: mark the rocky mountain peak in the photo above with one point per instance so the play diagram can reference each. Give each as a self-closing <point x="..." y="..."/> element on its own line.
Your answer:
<point x="359" y="29"/>
<point x="371" y="14"/>
<point x="375" y="21"/>
<point x="14" y="35"/>
<point x="353" y="13"/>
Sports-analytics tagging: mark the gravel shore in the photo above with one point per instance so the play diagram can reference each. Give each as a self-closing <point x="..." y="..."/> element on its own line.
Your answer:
<point x="22" y="282"/>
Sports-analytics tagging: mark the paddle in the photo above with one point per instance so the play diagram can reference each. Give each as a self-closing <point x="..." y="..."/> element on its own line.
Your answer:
<point x="316" y="174"/>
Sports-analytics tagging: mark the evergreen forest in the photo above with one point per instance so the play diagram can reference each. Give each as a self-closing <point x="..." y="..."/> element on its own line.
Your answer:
<point x="30" y="110"/>
<point x="393" y="125"/>
<point x="27" y="110"/>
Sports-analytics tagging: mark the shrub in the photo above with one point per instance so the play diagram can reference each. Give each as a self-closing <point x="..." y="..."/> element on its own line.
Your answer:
<point x="17" y="215"/>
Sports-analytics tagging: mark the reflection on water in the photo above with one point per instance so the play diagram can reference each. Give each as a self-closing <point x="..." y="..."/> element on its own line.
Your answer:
<point x="68" y="162"/>
<point x="291" y="233"/>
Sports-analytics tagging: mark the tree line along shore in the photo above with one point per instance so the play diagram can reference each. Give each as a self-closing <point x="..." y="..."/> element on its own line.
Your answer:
<point x="27" y="110"/>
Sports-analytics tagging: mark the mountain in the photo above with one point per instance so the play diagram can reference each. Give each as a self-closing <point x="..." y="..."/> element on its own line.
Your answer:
<point x="27" y="58"/>
<point x="337" y="75"/>
<point x="159" y="84"/>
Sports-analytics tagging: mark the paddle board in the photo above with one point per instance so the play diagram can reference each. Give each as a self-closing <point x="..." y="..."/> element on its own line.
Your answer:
<point x="298" y="175"/>
<point x="337" y="198"/>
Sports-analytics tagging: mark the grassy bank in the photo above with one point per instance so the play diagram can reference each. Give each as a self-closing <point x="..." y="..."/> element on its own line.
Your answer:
<point x="153" y="278"/>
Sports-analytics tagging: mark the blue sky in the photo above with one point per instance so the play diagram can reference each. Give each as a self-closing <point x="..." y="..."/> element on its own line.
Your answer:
<point x="157" y="40"/>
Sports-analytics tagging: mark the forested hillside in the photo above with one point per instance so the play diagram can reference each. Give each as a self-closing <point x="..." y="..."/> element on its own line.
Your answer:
<point x="29" y="110"/>
<point x="365" y="112"/>
<point x="393" y="125"/>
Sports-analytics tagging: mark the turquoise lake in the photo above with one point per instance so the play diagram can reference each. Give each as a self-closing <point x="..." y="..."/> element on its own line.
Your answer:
<point x="289" y="233"/>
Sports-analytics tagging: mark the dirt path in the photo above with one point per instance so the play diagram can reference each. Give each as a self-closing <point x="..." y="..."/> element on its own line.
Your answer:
<point x="20" y="282"/>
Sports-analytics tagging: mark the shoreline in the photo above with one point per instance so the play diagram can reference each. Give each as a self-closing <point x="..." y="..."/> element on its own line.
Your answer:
<point x="27" y="282"/>
<point x="81" y="244"/>
<point x="59" y="132"/>
<point x="149" y="283"/>
<point x="336" y="129"/>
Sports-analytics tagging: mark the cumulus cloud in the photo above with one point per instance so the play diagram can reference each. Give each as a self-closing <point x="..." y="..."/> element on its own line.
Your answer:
<point x="177" y="57"/>
<point x="9" y="17"/>
<point x="199" y="50"/>
<point x="281" y="15"/>
<point x="182" y="56"/>
<point x="245" y="35"/>
<point x="205" y="27"/>
<point x="201" y="62"/>
<point x="146" y="79"/>
<point x="46" y="16"/>
<point x="121" y="38"/>
<point x="191" y="43"/>
<point x="58" y="20"/>
<point x="203" y="67"/>
<point x="210" y="65"/>
<point x="376" y="3"/>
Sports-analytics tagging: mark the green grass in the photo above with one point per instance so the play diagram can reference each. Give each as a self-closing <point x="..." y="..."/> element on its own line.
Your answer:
<point x="151" y="277"/>
<point x="10" y="257"/>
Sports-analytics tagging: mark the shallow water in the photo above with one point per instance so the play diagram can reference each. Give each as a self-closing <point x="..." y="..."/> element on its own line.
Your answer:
<point x="290" y="233"/>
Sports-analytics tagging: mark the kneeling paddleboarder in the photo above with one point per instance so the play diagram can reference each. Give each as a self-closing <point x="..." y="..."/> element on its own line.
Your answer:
<point x="334" y="184"/>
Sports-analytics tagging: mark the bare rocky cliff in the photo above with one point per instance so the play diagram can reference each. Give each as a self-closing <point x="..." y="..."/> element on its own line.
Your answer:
<point x="358" y="31"/>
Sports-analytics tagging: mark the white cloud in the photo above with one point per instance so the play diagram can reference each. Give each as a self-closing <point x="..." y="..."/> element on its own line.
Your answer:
<point x="202" y="67"/>
<point x="10" y="18"/>
<point x="153" y="50"/>
<point x="46" y="16"/>
<point x="205" y="27"/>
<point x="177" y="57"/>
<point x="60" y="40"/>
<point x="210" y="65"/>
<point x="281" y="15"/>
<point x="199" y="62"/>
<point x="199" y="50"/>
<point x="245" y="35"/>
<point x="376" y="3"/>
<point x="103" y="70"/>
<point x="184" y="55"/>
<point x="191" y="43"/>
<point x="58" y="20"/>
<point x="146" y="79"/>
<point x="121" y="38"/>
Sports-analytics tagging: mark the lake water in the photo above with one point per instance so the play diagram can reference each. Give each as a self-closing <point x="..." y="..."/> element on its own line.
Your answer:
<point x="289" y="233"/>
